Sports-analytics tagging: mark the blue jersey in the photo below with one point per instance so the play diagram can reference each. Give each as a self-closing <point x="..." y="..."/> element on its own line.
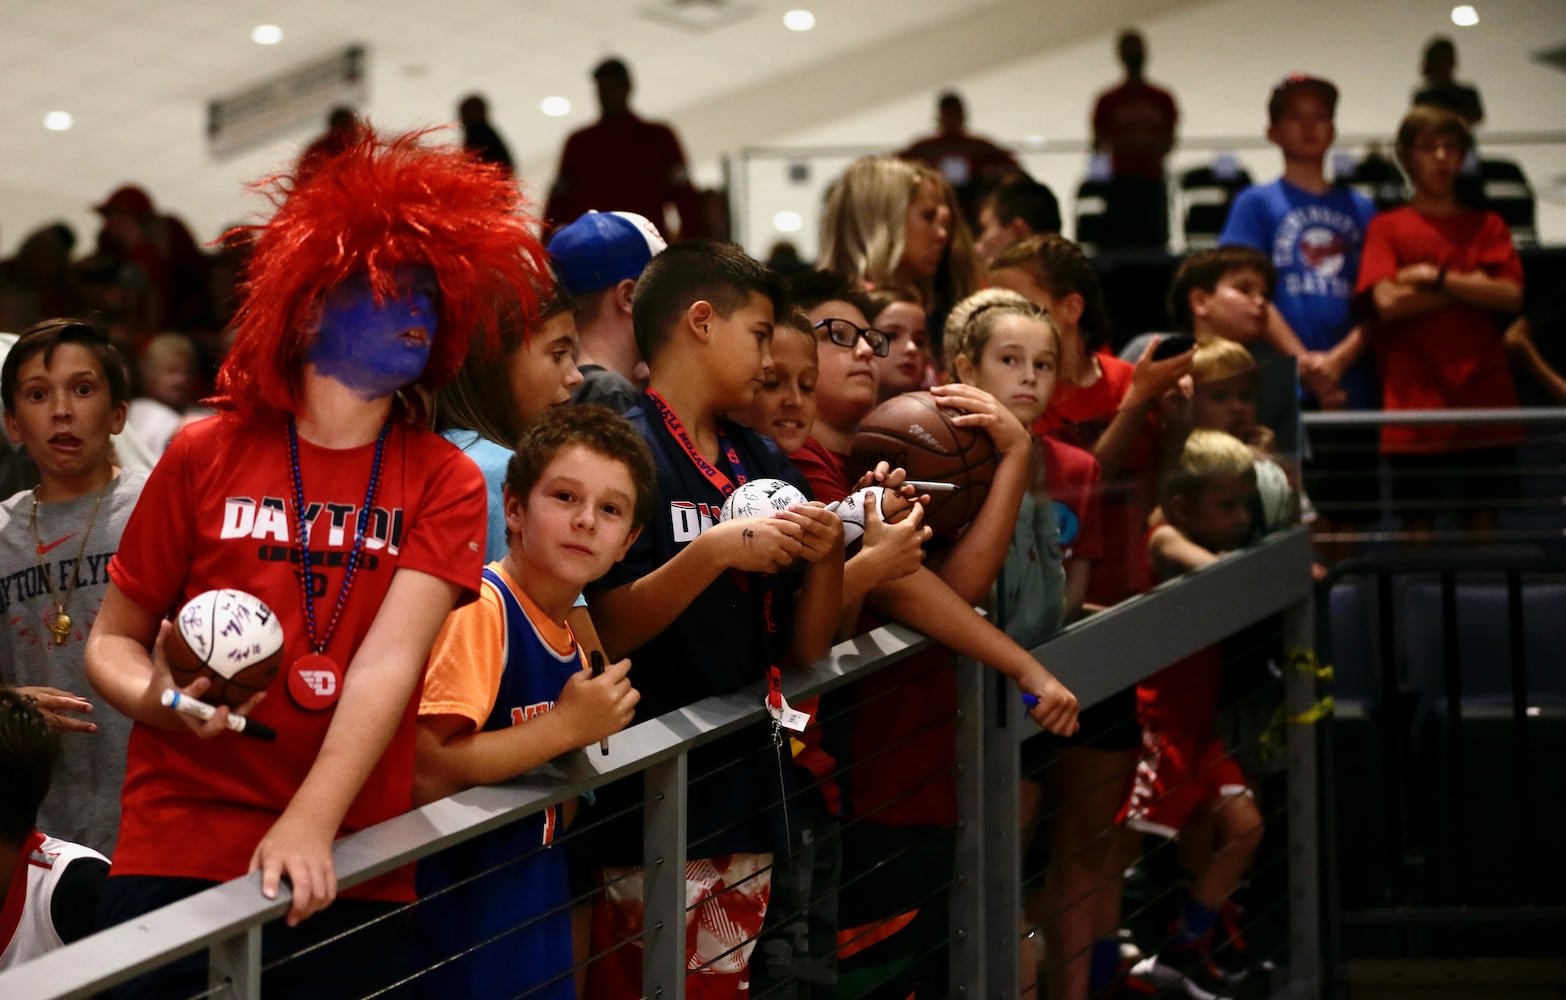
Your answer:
<point x="717" y="645"/>
<point x="511" y="884"/>
<point x="1315" y="241"/>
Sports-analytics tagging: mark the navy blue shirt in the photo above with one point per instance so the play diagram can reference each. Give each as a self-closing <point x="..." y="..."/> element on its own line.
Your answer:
<point x="717" y="645"/>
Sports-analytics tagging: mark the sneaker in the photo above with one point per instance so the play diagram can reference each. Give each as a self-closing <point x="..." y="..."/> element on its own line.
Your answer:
<point x="1181" y="972"/>
<point x="1228" y="950"/>
<point x="1124" y="987"/>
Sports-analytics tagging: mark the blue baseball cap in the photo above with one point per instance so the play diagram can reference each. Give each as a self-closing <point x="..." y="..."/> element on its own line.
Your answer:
<point x="602" y="249"/>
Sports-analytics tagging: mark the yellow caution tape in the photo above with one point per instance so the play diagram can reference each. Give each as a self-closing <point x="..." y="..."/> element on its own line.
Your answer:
<point x="1314" y="714"/>
<point x="1306" y="661"/>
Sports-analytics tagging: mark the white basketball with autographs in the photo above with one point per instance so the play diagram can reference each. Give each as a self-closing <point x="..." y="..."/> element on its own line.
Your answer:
<point x="851" y="511"/>
<point x="229" y="637"/>
<point x="760" y="498"/>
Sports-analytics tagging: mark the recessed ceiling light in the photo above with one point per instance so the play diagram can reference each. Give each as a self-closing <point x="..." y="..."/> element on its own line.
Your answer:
<point x="266" y="34"/>
<point x="555" y="107"/>
<point x="1464" y="15"/>
<point x="58" y="121"/>
<point x="787" y="222"/>
<point x="799" y="20"/>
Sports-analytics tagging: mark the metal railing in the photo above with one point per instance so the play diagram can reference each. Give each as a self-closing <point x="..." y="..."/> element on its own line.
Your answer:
<point x="1095" y="657"/>
<point x="1519" y="492"/>
<point x="1526" y="415"/>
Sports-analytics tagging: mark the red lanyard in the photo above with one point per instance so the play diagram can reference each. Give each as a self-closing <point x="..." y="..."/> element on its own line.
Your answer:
<point x="724" y="485"/>
<point x="712" y="473"/>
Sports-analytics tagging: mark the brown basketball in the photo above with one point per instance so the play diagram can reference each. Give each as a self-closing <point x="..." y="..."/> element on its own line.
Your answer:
<point x="229" y="636"/>
<point x="913" y="433"/>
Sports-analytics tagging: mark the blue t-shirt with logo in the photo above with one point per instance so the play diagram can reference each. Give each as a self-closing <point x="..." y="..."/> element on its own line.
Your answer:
<point x="1315" y="242"/>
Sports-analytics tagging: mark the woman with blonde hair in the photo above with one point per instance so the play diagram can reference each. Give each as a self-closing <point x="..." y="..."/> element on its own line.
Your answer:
<point x="888" y="221"/>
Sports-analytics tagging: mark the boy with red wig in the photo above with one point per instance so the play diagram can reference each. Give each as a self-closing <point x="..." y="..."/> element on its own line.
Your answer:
<point x="318" y="489"/>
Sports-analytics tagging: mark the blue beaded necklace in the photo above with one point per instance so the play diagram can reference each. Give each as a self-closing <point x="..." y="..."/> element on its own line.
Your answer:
<point x="319" y="646"/>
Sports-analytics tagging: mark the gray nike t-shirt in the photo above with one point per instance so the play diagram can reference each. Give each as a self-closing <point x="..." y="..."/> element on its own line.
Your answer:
<point x="83" y="804"/>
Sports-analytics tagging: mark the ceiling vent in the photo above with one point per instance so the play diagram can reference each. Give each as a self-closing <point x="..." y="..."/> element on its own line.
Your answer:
<point x="697" y="17"/>
<point x="1554" y="58"/>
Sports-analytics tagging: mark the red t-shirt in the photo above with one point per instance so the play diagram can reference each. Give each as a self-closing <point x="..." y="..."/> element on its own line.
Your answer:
<point x="1135" y="122"/>
<point x="823" y="472"/>
<point x="901" y="735"/>
<point x="823" y="469"/>
<point x="1078" y="415"/>
<point x="624" y="164"/>
<point x="1071" y="477"/>
<point x="1180" y="702"/>
<point x="218" y="511"/>
<point x="1449" y="357"/>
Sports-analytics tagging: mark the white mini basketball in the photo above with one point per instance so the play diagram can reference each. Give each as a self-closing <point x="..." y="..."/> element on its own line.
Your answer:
<point x="760" y="498"/>
<point x="851" y="510"/>
<point x="229" y="636"/>
<point x="1277" y="496"/>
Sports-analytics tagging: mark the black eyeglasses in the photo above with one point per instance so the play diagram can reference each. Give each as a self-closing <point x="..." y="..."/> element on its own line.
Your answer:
<point x="845" y="334"/>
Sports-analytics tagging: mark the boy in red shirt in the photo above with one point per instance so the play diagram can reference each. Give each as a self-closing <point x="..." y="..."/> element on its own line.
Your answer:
<point x="318" y="489"/>
<point x="1435" y="278"/>
<point x="1186" y="777"/>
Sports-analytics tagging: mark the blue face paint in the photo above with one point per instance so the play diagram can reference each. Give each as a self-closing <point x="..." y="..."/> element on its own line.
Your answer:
<point x="375" y="348"/>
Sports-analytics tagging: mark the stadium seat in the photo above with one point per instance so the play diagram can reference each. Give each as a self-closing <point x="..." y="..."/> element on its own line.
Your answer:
<point x="1483" y="662"/>
<point x="1508" y="194"/>
<point x="1092" y="211"/>
<point x="1205" y="196"/>
<point x="1362" y="798"/>
<point x="1378" y="179"/>
<point x="1489" y="778"/>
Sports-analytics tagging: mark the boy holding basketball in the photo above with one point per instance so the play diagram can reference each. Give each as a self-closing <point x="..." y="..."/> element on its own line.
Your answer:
<point x="63" y="385"/>
<point x="707" y="608"/>
<point x="317" y="489"/>
<point x="507" y="689"/>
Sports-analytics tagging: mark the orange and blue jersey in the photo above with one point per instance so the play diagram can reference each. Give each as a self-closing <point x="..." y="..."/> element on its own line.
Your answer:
<point x="506" y="891"/>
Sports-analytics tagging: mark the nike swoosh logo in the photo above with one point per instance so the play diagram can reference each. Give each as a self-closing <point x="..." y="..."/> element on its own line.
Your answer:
<point x="43" y="549"/>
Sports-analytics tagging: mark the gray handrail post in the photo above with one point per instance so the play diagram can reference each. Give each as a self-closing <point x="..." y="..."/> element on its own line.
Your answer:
<point x="1304" y="817"/>
<point x="235" y="963"/>
<point x="663" y="879"/>
<point x="968" y="934"/>
<point x="1004" y="717"/>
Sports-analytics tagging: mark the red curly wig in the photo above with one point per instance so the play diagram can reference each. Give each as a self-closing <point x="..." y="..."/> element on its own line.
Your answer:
<point x="379" y="206"/>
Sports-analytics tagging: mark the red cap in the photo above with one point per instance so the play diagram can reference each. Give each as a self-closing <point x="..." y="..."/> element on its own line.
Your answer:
<point x="129" y="198"/>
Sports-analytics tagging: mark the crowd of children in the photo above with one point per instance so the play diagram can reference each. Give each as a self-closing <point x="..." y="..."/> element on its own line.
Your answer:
<point x="405" y="336"/>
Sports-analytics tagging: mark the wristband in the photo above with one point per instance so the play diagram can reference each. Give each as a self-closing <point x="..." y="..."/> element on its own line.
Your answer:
<point x="1440" y="282"/>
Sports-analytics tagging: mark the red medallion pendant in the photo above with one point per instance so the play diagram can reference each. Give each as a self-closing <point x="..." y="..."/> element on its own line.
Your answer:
<point x="314" y="682"/>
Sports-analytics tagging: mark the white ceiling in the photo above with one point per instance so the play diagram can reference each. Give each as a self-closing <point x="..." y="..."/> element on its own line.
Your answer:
<point x="136" y="75"/>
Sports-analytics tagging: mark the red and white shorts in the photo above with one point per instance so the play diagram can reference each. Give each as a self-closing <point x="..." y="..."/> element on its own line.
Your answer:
<point x="726" y="901"/>
<point x="1176" y="778"/>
